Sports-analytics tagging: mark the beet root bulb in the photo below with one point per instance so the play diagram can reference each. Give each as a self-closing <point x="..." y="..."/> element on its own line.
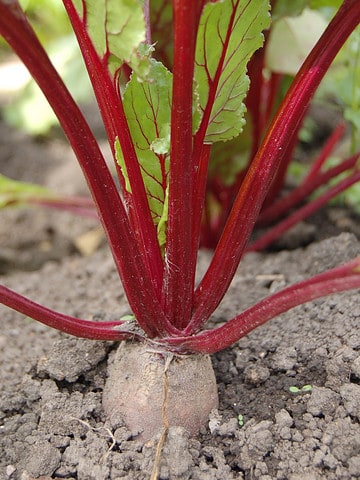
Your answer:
<point x="149" y="391"/>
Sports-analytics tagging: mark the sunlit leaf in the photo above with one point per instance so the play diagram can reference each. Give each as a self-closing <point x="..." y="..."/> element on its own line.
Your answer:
<point x="284" y="8"/>
<point x="148" y="106"/>
<point x="325" y="3"/>
<point x="117" y="29"/>
<point x="14" y="192"/>
<point x="228" y="35"/>
<point x="291" y="40"/>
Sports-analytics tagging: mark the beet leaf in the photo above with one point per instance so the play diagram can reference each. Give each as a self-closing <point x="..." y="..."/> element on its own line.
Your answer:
<point x="147" y="105"/>
<point x="229" y="33"/>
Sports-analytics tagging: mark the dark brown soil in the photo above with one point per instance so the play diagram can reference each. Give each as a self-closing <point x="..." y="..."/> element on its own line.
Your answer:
<point x="51" y="419"/>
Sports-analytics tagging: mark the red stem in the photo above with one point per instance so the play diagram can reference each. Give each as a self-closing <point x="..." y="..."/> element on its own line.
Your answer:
<point x="199" y="197"/>
<point x="82" y="206"/>
<point x="64" y="323"/>
<point x="345" y="277"/>
<point x="201" y="151"/>
<point x="278" y="181"/>
<point x="17" y="31"/>
<point x="179" y="281"/>
<point x="306" y="188"/>
<point x="116" y="125"/>
<point x="278" y="230"/>
<point x="84" y="212"/>
<point x="254" y="98"/>
<point x="272" y="91"/>
<point x="258" y="180"/>
<point x="326" y="151"/>
<point x="262" y="95"/>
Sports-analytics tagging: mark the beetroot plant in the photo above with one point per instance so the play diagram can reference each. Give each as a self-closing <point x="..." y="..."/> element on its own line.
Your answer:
<point x="170" y="78"/>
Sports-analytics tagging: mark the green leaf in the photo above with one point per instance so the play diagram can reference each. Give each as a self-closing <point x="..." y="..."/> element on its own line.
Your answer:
<point x="306" y="388"/>
<point x="117" y="30"/>
<point x="147" y="107"/>
<point x="128" y="318"/>
<point x="161" y="30"/>
<point x="228" y="160"/>
<point x="284" y="8"/>
<point x="121" y="162"/>
<point x="15" y="193"/>
<point x="291" y="40"/>
<point x="228" y="35"/>
<point x="162" y="224"/>
<point x="353" y="117"/>
<point x="30" y="102"/>
<point x="325" y="3"/>
<point x="294" y="389"/>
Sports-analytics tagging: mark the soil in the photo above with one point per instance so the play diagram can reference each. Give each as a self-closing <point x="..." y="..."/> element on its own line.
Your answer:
<point x="289" y="392"/>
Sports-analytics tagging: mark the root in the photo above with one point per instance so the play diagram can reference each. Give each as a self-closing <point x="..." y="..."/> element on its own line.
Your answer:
<point x="150" y="391"/>
<point x="99" y="429"/>
<point x="160" y="445"/>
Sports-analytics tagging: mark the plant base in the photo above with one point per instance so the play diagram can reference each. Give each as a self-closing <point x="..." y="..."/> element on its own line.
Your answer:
<point x="150" y="391"/>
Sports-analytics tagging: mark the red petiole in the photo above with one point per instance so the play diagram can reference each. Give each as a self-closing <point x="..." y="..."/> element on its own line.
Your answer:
<point x="159" y="280"/>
